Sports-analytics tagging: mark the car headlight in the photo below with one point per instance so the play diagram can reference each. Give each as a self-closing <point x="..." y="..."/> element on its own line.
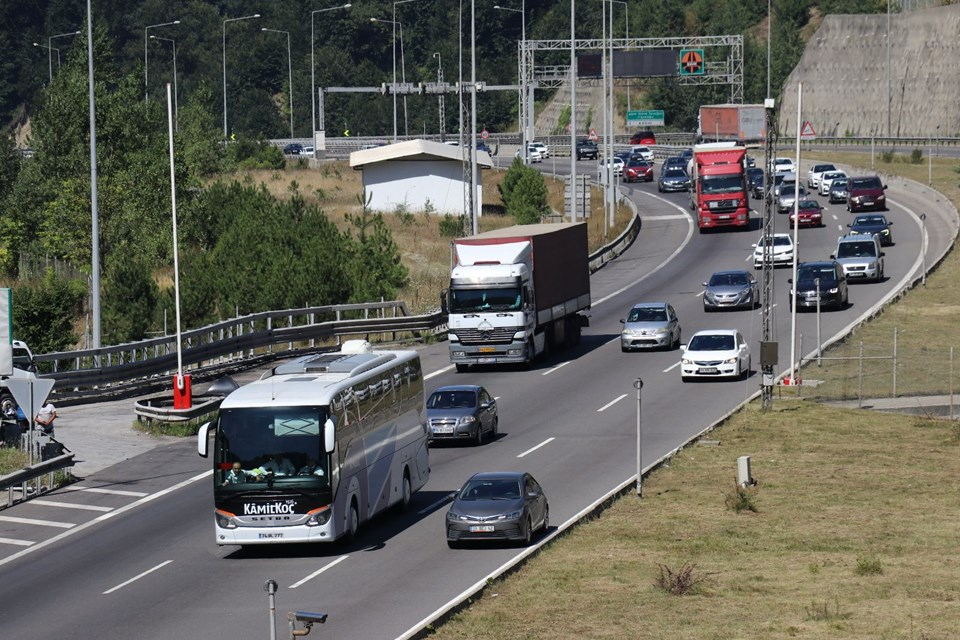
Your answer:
<point x="834" y="290"/>
<point x="730" y="360"/>
<point x="513" y="515"/>
<point x="452" y="516"/>
<point x="686" y="361"/>
<point x="660" y="332"/>
<point x="467" y="420"/>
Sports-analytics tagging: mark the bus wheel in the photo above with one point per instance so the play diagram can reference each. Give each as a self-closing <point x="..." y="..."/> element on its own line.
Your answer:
<point x="461" y="368"/>
<point x="353" y="522"/>
<point x="406" y="490"/>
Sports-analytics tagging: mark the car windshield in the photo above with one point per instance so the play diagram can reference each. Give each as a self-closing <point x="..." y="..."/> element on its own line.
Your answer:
<point x="820" y="168"/>
<point x="461" y="399"/>
<point x="856" y="250"/>
<point x="778" y="241"/>
<point x="647" y="314"/>
<point x="809" y="204"/>
<point x="865" y="183"/>
<point x="711" y="342"/>
<point x="839" y="184"/>
<point x="721" y="184"/>
<point x="728" y="279"/>
<point x="637" y="162"/>
<point x="506" y="489"/>
<point x="868" y="220"/>
<point x="811" y="273"/>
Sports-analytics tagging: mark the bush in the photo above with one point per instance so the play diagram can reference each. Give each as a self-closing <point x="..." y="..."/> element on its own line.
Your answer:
<point x="916" y="156"/>
<point x="684" y="581"/>
<point x="451" y="226"/>
<point x="740" y="500"/>
<point x="868" y="566"/>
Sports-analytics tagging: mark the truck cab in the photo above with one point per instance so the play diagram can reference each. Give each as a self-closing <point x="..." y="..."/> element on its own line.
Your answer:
<point x="719" y="186"/>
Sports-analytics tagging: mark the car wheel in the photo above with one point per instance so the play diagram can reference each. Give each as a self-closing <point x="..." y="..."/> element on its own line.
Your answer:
<point x="527" y="533"/>
<point x="478" y="439"/>
<point x="546" y="519"/>
<point x="676" y="342"/>
<point x="495" y="431"/>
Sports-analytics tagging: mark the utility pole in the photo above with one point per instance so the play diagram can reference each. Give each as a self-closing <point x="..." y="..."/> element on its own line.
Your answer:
<point x="767" y="293"/>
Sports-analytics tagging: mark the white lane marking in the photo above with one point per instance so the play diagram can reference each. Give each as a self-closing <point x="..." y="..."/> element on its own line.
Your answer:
<point x="106" y="516"/>
<point x="773" y="306"/>
<point x="137" y="577"/>
<point x="671" y="367"/>
<point x="611" y="403"/>
<point x="319" y="571"/>
<point x="699" y="294"/>
<point x="834" y="216"/>
<point x="670" y="216"/>
<point x="496" y="397"/>
<point x="549" y="371"/>
<point x="21" y="543"/>
<point x="42" y="523"/>
<point x="438" y="372"/>
<point x="67" y="505"/>
<point x="115" y="492"/>
<point x="544" y="443"/>
<point x="439" y="503"/>
<point x="664" y="263"/>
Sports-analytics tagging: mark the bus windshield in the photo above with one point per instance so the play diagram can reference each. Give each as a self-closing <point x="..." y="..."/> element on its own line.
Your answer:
<point x="476" y="300"/>
<point x="730" y="183"/>
<point x="267" y="445"/>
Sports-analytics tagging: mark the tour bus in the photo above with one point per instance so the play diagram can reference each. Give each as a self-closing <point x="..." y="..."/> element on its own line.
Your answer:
<point x="317" y="446"/>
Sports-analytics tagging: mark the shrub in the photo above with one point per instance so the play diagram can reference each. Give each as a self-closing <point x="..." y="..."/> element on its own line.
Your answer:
<point x="868" y="566"/>
<point x="684" y="581"/>
<point x="740" y="500"/>
<point x="887" y="157"/>
<point x="451" y="226"/>
<point x="916" y="156"/>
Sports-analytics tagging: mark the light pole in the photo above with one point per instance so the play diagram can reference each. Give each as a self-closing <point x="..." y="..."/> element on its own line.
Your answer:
<point x="403" y="72"/>
<point x="176" y="108"/>
<point x="256" y="15"/>
<point x="638" y="385"/>
<point x="521" y="112"/>
<point x="923" y="248"/>
<point x="146" y="86"/>
<point x="816" y="281"/>
<point x="395" y="24"/>
<point x="769" y="21"/>
<point x="50" y="51"/>
<point x="94" y="209"/>
<point x="289" y="73"/>
<point x="626" y="34"/>
<point x="440" y="93"/>
<point x="313" y="68"/>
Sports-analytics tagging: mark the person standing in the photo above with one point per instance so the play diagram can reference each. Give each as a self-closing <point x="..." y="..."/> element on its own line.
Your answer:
<point x="45" y="418"/>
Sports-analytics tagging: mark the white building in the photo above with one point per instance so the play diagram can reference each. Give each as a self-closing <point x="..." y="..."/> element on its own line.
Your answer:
<point x="409" y="174"/>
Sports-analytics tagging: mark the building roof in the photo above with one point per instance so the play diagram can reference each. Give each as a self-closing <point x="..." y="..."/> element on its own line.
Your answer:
<point x="415" y="150"/>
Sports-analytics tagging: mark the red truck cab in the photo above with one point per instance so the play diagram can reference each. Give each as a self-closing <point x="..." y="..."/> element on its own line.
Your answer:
<point x="719" y="190"/>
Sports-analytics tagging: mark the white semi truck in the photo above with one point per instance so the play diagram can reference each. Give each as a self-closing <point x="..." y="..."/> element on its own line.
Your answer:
<point x="517" y="292"/>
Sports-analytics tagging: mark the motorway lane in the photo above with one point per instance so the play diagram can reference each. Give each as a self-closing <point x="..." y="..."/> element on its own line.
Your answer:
<point x="400" y="570"/>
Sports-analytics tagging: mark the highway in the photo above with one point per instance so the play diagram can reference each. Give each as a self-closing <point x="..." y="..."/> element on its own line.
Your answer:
<point x="137" y="558"/>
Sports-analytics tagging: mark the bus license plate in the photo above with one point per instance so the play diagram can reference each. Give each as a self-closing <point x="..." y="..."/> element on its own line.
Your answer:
<point x="482" y="528"/>
<point x="488" y="349"/>
<point x="486" y="360"/>
<point x="707" y="370"/>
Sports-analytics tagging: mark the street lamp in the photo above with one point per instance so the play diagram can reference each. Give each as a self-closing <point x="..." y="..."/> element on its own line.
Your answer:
<point x="521" y="112"/>
<point x="313" y="68"/>
<point x="256" y="15"/>
<point x="395" y="24"/>
<point x="289" y="74"/>
<point x="638" y="385"/>
<point x="146" y="90"/>
<point x="176" y="108"/>
<point x="50" y="51"/>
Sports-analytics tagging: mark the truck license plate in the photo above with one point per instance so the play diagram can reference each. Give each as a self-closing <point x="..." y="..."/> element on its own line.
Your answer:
<point x="723" y="217"/>
<point x="482" y="528"/>
<point x="488" y="349"/>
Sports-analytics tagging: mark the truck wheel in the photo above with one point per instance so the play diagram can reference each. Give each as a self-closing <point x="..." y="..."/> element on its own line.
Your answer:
<point x="462" y="368"/>
<point x="7" y="404"/>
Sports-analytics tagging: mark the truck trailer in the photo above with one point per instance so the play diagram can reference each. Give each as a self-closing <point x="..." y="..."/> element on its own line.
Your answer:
<point x="517" y="292"/>
<point x="718" y="193"/>
<point x="741" y="123"/>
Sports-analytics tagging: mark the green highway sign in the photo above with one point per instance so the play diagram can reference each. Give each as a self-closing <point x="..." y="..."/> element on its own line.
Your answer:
<point x="650" y="118"/>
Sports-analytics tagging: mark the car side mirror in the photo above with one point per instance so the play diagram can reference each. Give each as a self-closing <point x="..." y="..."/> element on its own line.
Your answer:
<point x="683" y="347"/>
<point x="623" y="321"/>
<point x="789" y="280"/>
<point x="889" y="224"/>
<point x="704" y="284"/>
<point x="882" y="254"/>
<point x="850" y="226"/>
<point x="833" y="257"/>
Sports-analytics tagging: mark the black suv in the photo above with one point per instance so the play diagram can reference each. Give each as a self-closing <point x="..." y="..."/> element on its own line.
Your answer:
<point x="586" y="149"/>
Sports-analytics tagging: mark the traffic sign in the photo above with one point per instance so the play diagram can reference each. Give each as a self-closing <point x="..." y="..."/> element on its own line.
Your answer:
<point x="807" y="132"/>
<point x="484" y="134"/>
<point x="691" y="62"/>
<point x="650" y="118"/>
<point x="593" y="135"/>
<point x="30" y="393"/>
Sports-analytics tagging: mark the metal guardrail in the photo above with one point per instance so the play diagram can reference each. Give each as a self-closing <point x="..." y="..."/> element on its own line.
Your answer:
<point x="609" y="251"/>
<point x="22" y="477"/>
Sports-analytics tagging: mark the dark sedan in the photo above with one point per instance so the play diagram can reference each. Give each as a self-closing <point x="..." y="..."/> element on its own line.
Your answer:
<point x="874" y="224"/>
<point x="755" y="182"/>
<point x="498" y="506"/>
<point x="462" y="412"/>
<point x="838" y="191"/>
<point x="825" y="278"/>
<point x="673" y="180"/>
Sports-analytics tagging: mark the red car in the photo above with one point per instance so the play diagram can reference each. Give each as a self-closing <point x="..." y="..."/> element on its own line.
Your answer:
<point x="638" y="169"/>
<point x="810" y="214"/>
<point x="643" y="137"/>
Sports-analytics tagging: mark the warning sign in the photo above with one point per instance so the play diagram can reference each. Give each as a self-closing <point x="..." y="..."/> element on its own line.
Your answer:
<point x="593" y="134"/>
<point x="484" y="134"/>
<point x="807" y="132"/>
<point x="691" y="62"/>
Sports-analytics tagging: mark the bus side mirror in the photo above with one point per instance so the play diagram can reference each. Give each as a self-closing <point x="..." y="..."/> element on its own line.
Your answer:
<point x="329" y="436"/>
<point x="203" y="439"/>
<point x="443" y="302"/>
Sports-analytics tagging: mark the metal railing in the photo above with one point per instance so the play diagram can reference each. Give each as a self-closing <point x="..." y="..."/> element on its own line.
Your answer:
<point x="24" y="483"/>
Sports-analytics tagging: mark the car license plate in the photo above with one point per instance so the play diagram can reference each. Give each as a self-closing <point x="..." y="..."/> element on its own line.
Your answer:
<point x="707" y="370"/>
<point x="487" y="349"/>
<point x="443" y="429"/>
<point x="482" y="528"/>
<point x="868" y="204"/>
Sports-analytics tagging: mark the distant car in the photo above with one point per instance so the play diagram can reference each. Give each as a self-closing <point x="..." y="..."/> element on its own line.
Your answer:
<point x="643" y="152"/>
<point x="617" y="165"/>
<point x="825" y="276"/>
<point x="637" y="169"/>
<point x="815" y="172"/>
<point x="643" y="137"/>
<point x="714" y="353"/>
<point x="673" y="179"/>
<point x="860" y="256"/>
<point x="292" y="149"/>
<point x="785" y="165"/>
<point x="307" y="151"/>
<point x="874" y="224"/>
<point x="497" y="506"/>
<point x="730" y="290"/>
<point x="587" y="149"/>
<point x="780" y="251"/>
<point x="866" y="193"/>
<point x="532" y="154"/>
<point x="751" y="162"/>
<point x="826" y="181"/>
<point x="787" y="195"/>
<point x="687" y="154"/>
<point x="755" y="182"/>
<point x="838" y="191"/>
<point x="650" y="325"/>
<point x="542" y="148"/>
<point x="675" y="162"/>
<point x="462" y="412"/>
<point x="483" y="146"/>
<point x="780" y="179"/>
<point x="810" y="214"/>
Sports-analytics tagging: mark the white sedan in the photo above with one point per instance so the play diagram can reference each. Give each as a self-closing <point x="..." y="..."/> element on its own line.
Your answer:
<point x="780" y="251"/>
<point x="617" y="165"/>
<point x="715" y="353"/>
<point x="533" y="154"/>
<point x="784" y="165"/>
<point x="826" y="180"/>
<point x="542" y="148"/>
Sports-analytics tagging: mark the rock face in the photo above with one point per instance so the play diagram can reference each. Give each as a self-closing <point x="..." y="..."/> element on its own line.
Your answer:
<point x="844" y="72"/>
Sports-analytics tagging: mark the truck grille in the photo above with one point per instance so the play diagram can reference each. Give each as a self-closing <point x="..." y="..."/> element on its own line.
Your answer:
<point x="498" y="335"/>
<point x="723" y="206"/>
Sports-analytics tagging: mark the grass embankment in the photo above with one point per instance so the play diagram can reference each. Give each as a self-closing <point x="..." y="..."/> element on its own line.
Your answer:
<point x="851" y="531"/>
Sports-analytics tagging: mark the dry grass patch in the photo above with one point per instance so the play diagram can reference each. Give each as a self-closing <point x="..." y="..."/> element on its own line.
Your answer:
<point x="841" y="493"/>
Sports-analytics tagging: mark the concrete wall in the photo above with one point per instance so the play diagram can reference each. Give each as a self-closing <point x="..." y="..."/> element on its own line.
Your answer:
<point x="844" y="76"/>
<point x="412" y="183"/>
